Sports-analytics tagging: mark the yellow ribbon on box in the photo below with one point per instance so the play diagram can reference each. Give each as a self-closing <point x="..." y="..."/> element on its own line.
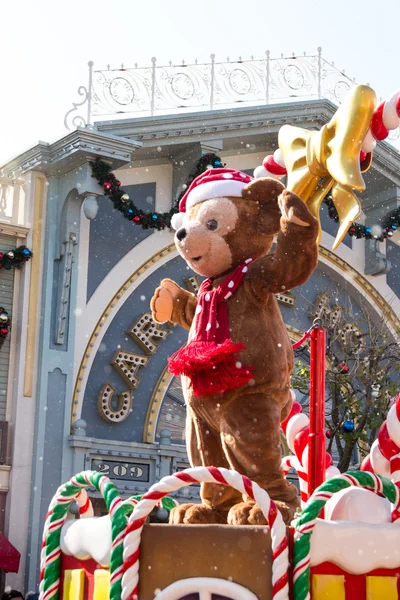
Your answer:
<point x="329" y="159"/>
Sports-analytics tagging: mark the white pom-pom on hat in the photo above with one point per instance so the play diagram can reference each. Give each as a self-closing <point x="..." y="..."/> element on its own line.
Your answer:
<point x="177" y="220"/>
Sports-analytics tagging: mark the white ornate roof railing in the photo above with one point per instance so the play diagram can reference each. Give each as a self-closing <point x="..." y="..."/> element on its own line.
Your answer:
<point x="157" y="90"/>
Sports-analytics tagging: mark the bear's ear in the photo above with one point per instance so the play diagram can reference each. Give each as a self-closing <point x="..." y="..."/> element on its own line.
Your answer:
<point x="263" y="190"/>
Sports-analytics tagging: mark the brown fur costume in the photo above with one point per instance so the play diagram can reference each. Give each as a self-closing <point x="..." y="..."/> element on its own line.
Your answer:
<point x="240" y="429"/>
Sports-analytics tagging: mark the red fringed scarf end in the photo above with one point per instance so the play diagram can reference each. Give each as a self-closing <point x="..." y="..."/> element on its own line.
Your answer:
<point x="212" y="368"/>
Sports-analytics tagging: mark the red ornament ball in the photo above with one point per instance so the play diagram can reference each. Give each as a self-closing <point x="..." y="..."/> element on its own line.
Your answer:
<point x="4" y="331"/>
<point x="328" y="434"/>
<point x="107" y="185"/>
<point x="343" y="368"/>
<point x="136" y="219"/>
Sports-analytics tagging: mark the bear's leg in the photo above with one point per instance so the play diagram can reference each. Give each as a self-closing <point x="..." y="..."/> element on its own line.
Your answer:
<point x="204" y="449"/>
<point x="250" y="430"/>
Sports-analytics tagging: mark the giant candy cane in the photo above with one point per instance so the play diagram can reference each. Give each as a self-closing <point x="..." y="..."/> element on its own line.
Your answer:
<point x="297" y="430"/>
<point x="171" y="483"/>
<point x="384" y="458"/>
<point x="386" y="118"/>
<point x="55" y="518"/>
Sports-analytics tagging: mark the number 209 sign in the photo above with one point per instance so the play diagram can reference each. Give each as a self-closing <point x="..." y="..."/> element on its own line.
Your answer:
<point x="120" y="470"/>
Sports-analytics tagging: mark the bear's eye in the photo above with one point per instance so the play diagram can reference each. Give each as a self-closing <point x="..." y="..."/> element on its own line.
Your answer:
<point x="212" y="225"/>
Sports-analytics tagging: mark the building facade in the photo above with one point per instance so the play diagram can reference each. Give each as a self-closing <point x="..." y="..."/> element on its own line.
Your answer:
<point x="84" y="372"/>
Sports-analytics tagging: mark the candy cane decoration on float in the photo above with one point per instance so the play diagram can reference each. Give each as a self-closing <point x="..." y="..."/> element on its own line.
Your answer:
<point x="306" y="523"/>
<point x="84" y="505"/>
<point x="386" y="118"/>
<point x="130" y="579"/>
<point x="55" y="519"/>
<point x="384" y="457"/>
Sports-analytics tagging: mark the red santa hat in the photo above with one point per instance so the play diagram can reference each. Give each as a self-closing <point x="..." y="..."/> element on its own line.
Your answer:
<point x="213" y="183"/>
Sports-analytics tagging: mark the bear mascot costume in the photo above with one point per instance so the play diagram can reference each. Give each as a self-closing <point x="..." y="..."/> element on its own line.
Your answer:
<point x="236" y="365"/>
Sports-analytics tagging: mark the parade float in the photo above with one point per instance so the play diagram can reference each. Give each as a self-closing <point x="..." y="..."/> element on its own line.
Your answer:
<point x="343" y="544"/>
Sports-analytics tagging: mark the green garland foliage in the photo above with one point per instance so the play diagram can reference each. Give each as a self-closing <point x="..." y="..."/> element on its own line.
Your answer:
<point x="154" y="220"/>
<point x="14" y="259"/>
<point x="386" y="229"/>
<point x="148" y="220"/>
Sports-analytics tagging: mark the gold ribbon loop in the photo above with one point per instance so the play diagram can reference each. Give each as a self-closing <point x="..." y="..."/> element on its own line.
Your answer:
<point x="329" y="159"/>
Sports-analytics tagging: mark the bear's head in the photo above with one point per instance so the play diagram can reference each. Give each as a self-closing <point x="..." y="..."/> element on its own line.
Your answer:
<point x="216" y="234"/>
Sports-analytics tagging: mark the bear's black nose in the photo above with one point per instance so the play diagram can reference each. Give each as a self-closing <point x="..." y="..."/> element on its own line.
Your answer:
<point x="181" y="234"/>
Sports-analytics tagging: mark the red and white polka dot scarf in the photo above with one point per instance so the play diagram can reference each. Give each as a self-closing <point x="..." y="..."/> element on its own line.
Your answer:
<point x="209" y="359"/>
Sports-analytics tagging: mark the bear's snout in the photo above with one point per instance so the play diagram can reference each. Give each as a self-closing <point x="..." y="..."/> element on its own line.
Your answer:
<point x="181" y="234"/>
<point x="192" y="241"/>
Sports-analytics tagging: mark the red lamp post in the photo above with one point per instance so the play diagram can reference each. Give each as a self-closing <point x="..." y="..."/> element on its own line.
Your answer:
<point x="317" y="445"/>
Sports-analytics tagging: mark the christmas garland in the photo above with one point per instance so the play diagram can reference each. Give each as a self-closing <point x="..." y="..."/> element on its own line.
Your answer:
<point x="148" y="220"/>
<point x="4" y="325"/>
<point x="154" y="220"/>
<point x="377" y="232"/>
<point x="14" y="259"/>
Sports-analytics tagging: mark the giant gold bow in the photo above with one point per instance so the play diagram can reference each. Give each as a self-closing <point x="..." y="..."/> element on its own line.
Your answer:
<point x="329" y="159"/>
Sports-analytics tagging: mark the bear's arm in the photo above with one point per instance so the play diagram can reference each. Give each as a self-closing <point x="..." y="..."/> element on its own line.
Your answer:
<point x="184" y="307"/>
<point x="296" y="251"/>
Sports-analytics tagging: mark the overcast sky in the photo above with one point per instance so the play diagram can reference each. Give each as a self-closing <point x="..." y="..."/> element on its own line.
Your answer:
<point x="45" y="46"/>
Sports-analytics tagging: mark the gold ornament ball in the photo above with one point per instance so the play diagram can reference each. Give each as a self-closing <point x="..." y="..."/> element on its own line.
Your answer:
<point x="125" y="198"/>
<point x="3" y="318"/>
<point x="10" y="254"/>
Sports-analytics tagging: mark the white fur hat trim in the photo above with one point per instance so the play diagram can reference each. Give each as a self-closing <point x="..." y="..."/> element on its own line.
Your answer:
<point x="215" y="189"/>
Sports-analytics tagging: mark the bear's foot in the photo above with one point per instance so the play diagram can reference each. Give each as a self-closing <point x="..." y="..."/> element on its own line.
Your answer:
<point x="249" y="513"/>
<point x="196" y="514"/>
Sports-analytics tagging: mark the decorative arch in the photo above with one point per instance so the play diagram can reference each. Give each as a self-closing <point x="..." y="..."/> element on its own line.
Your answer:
<point x="352" y="278"/>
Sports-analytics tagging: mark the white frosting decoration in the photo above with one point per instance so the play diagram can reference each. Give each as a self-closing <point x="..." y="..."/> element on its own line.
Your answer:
<point x="357" y="504"/>
<point x="88" y="538"/>
<point x="331" y="471"/>
<point x="356" y="547"/>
